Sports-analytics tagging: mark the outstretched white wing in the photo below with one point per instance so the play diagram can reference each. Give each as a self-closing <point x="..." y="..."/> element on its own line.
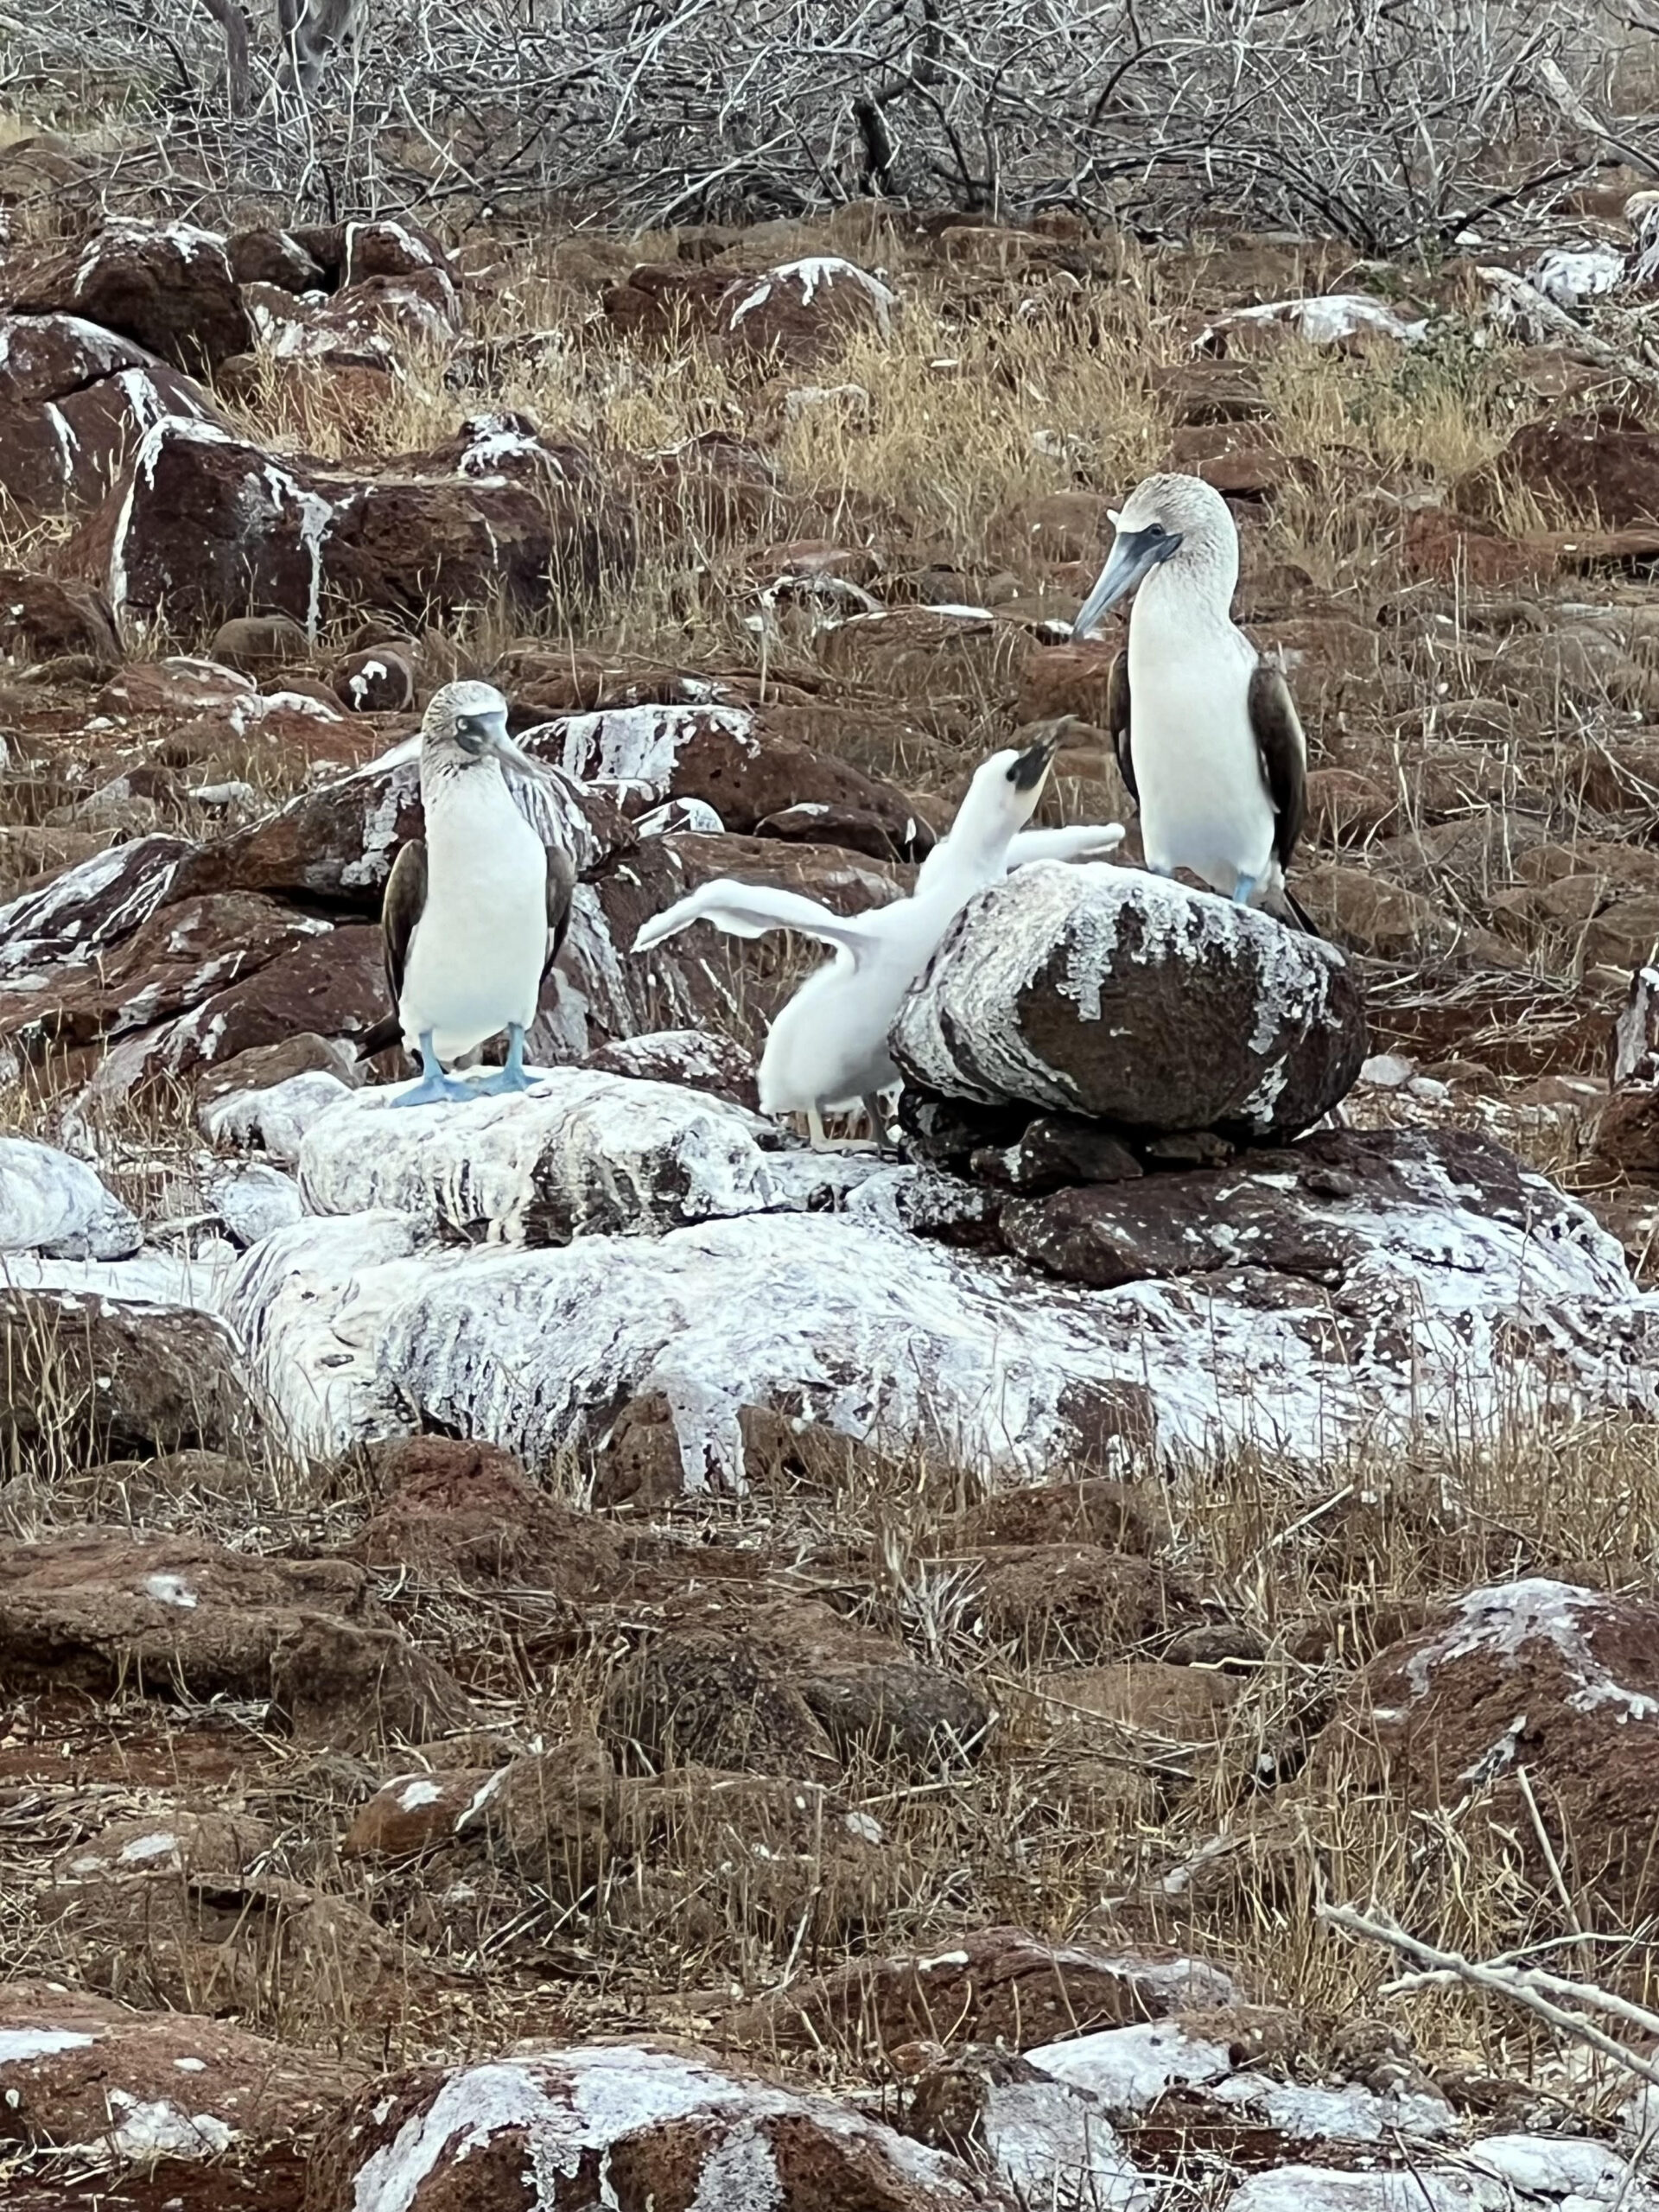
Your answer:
<point x="1084" y="841"/>
<point x="752" y="909"/>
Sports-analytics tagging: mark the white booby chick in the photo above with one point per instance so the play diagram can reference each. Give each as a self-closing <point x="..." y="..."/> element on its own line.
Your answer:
<point x="475" y="912"/>
<point x="827" y="1050"/>
<point x="1205" y="731"/>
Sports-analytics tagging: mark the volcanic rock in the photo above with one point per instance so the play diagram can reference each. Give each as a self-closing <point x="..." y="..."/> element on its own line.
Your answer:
<point x="52" y="1203"/>
<point x="97" y="1609"/>
<point x="1537" y="1674"/>
<point x="166" y="287"/>
<point x="1118" y="995"/>
<point x="295" y="538"/>
<point x="75" y="403"/>
<point x="998" y="1985"/>
<point x="94" y="2080"/>
<point x="660" y="2124"/>
<point x="90" y="1378"/>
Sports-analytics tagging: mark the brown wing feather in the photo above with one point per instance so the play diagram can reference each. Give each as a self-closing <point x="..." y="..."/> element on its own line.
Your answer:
<point x="561" y="884"/>
<point x="1117" y="721"/>
<point x="400" y="910"/>
<point x="1283" y="749"/>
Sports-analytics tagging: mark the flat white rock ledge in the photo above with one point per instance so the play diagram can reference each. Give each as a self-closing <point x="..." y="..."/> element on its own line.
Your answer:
<point x="361" y="1327"/>
<point x="583" y="1152"/>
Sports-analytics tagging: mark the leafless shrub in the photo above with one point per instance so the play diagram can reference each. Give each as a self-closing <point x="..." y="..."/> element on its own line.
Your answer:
<point x="1374" y="120"/>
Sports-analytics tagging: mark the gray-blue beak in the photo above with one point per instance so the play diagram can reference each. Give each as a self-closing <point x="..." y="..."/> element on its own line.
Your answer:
<point x="480" y="733"/>
<point x="1133" y="554"/>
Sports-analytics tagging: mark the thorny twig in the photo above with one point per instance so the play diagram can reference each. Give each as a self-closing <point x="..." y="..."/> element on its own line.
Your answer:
<point x="1544" y="1994"/>
<point x="1159" y="113"/>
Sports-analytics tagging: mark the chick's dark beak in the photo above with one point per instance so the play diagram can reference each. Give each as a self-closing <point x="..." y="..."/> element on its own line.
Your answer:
<point x="1034" y="763"/>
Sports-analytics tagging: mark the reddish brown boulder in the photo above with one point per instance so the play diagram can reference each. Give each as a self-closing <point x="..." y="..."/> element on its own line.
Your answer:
<point x="1466" y="552"/>
<point x="182" y="684"/>
<point x="707" y="1697"/>
<point x="699" y="1059"/>
<point x="1113" y="995"/>
<point x="414" y="1814"/>
<point x="376" y="681"/>
<point x="467" y="1509"/>
<point x="94" y="2079"/>
<point x="41" y="617"/>
<point x="1166" y="1225"/>
<point x="646" y="2123"/>
<point x="799" y="311"/>
<point x="1345" y="808"/>
<point x="1092" y="1508"/>
<point x="167" y="287"/>
<point x="89" y="1378"/>
<point x="387" y="248"/>
<point x="1544" y="1676"/>
<point x="994" y="1984"/>
<point x="181" y="1938"/>
<point x="91" y="904"/>
<point x="1059" y="527"/>
<point x="1602" y="467"/>
<point x="298" y="539"/>
<point x="664" y="303"/>
<point x="332" y="983"/>
<point x="805" y="309"/>
<point x="1365" y="911"/>
<point x="727" y="757"/>
<point x="176" y="958"/>
<point x="75" y="401"/>
<point x="273" y="256"/>
<point x="1057" y="680"/>
<point x="256" y="644"/>
<point x="97" y="1609"/>
<point x="713" y="486"/>
<point x="366" y="324"/>
<point x="1070" y="1604"/>
<point x="793" y="1690"/>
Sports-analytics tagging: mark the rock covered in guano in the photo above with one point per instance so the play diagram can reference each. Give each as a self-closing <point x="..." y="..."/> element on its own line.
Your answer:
<point x="1109" y="993"/>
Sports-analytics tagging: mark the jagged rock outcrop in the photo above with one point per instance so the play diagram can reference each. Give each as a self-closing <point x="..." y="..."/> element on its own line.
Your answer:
<point x="1112" y="994"/>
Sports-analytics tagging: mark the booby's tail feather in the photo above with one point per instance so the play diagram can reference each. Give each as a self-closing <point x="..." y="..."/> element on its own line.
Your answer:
<point x="750" y="909"/>
<point x="388" y="1032"/>
<point x="1299" y="914"/>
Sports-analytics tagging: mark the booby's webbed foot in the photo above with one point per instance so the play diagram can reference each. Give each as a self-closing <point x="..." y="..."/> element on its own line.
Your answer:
<point x="875" y="1114"/>
<point x="511" y="1076"/>
<point x="820" y="1142"/>
<point x="1244" y="890"/>
<point x="435" y="1087"/>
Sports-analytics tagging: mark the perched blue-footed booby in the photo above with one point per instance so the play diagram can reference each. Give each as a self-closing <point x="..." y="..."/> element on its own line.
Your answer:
<point x="475" y="912"/>
<point x="827" y="1050"/>
<point x="1204" y="730"/>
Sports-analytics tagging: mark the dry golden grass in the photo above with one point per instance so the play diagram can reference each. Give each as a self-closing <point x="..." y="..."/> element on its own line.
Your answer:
<point x="969" y="414"/>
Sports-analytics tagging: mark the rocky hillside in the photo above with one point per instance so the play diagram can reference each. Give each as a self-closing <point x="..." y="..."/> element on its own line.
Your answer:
<point x="566" y="1650"/>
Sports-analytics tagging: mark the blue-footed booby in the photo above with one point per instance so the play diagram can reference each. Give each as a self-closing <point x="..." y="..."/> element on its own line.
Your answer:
<point x="475" y="912"/>
<point x="827" y="1050"/>
<point x="1205" y="731"/>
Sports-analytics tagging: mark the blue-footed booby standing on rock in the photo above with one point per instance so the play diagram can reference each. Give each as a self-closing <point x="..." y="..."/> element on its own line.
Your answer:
<point x="475" y="912"/>
<point x="1205" y="731"/>
<point x="827" y="1050"/>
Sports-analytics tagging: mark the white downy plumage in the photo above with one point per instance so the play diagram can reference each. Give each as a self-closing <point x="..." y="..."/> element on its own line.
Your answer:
<point x="827" y="1050"/>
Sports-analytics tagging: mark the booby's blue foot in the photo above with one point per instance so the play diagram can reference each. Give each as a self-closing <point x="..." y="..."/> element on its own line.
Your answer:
<point x="1244" y="890"/>
<point x="512" y="1076"/>
<point x="434" y="1088"/>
